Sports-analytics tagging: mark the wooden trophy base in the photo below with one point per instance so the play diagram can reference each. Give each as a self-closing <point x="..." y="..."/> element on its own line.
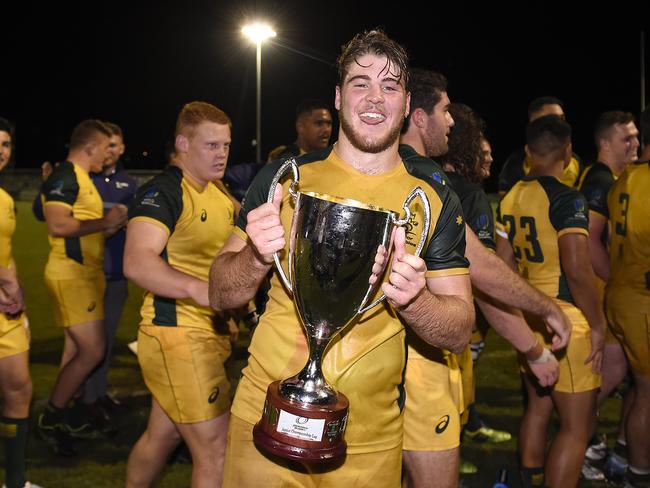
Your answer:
<point x="300" y="431"/>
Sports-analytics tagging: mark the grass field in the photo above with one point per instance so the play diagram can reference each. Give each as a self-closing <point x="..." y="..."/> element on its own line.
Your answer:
<point x="103" y="463"/>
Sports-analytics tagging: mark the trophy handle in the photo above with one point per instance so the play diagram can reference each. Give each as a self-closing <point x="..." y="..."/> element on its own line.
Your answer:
<point x="288" y="164"/>
<point x="416" y="192"/>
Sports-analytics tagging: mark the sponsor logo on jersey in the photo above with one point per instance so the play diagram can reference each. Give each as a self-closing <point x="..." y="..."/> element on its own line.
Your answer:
<point x="437" y="177"/>
<point x="214" y="394"/>
<point x="149" y="198"/>
<point x="482" y="224"/>
<point x="121" y="184"/>
<point x="579" y="206"/>
<point x="442" y="424"/>
<point x="57" y="189"/>
<point x="459" y="220"/>
<point x="152" y="192"/>
<point x="596" y="195"/>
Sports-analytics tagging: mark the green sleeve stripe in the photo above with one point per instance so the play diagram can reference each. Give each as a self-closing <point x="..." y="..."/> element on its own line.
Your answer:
<point x="164" y="311"/>
<point x="73" y="249"/>
<point x="164" y="308"/>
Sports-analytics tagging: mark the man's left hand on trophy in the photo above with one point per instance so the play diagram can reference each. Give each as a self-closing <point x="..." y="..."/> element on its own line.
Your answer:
<point x="407" y="275"/>
<point x="265" y="229"/>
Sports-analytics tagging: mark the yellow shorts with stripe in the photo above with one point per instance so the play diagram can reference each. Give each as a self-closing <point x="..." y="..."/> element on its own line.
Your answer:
<point x="248" y="467"/>
<point x="628" y="314"/>
<point x="14" y="335"/>
<point x="575" y="375"/>
<point x="466" y="366"/>
<point x="183" y="367"/>
<point x="434" y="400"/>
<point x="77" y="301"/>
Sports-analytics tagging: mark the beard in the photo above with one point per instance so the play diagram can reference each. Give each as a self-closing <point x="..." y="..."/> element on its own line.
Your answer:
<point x="435" y="144"/>
<point x="369" y="145"/>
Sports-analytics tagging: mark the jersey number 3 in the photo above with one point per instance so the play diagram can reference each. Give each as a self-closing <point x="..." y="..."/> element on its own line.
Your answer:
<point x="534" y="252"/>
<point x="621" y="227"/>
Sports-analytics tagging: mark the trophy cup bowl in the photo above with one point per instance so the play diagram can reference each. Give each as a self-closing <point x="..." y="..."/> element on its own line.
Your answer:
<point x="333" y="243"/>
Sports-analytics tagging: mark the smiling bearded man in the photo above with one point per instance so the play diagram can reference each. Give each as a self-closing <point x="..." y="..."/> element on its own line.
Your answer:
<point x="432" y="295"/>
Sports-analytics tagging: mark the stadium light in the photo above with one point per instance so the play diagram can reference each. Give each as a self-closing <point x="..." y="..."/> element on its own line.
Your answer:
<point x="258" y="33"/>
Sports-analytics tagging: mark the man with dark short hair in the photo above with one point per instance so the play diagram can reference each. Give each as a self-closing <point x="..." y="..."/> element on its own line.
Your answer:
<point x="313" y="129"/>
<point x="617" y="140"/>
<point x="74" y="275"/>
<point x="518" y="163"/>
<point x="432" y="379"/>
<point x="115" y="186"/>
<point x="628" y="301"/>
<point x="542" y="228"/>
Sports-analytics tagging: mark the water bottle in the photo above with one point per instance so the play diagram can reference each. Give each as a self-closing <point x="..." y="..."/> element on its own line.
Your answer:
<point x="502" y="479"/>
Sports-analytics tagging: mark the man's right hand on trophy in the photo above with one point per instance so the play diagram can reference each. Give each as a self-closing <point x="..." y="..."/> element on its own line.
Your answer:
<point x="265" y="229"/>
<point x="407" y="275"/>
<point x="380" y="264"/>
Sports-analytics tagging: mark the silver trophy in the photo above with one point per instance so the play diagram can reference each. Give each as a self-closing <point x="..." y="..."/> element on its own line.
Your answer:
<point x="333" y="243"/>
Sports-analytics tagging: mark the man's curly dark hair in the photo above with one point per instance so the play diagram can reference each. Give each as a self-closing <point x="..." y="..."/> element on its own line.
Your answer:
<point x="378" y="43"/>
<point x="465" y="142"/>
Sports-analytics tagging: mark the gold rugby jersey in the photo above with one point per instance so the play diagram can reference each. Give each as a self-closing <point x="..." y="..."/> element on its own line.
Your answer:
<point x="74" y="257"/>
<point x="629" y="214"/>
<point x="533" y="215"/>
<point x="7" y="227"/>
<point x="366" y="362"/>
<point x="198" y="221"/>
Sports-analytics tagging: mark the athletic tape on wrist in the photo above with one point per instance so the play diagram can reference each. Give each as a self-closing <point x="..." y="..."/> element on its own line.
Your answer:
<point x="544" y="358"/>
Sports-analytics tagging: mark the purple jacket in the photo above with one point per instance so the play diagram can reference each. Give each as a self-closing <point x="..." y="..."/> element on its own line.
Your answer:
<point x="118" y="187"/>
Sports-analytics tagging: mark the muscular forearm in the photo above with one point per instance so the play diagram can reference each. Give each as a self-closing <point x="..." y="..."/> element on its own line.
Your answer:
<point x="444" y="321"/>
<point x="71" y="227"/>
<point x="581" y="280"/>
<point x="598" y="228"/>
<point x="156" y="276"/>
<point x="12" y="293"/>
<point x="492" y="276"/>
<point x="582" y="286"/>
<point x="508" y="322"/>
<point x="8" y="276"/>
<point x="599" y="258"/>
<point x="235" y="278"/>
<point x="9" y="279"/>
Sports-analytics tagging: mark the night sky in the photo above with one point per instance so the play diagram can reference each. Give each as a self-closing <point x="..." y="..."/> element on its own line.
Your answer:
<point x="137" y="63"/>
